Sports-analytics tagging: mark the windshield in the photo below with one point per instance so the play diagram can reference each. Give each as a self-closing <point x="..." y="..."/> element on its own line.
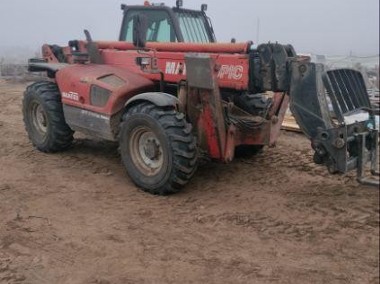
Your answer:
<point x="160" y="28"/>
<point x="194" y="27"/>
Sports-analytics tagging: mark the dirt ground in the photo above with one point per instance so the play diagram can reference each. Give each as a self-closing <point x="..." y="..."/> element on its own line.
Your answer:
<point x="76" y="217"/>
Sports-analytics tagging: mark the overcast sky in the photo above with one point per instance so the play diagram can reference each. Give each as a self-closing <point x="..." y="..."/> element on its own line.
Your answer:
<point x="319" y="26"/>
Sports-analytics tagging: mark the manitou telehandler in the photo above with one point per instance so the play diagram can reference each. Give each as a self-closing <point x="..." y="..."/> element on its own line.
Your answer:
<point x="170" y="95"/>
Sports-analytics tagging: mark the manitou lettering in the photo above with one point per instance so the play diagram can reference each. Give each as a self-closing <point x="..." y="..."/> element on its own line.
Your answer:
<point x="70" y="96"/>
<point x="231" y="72"/>
<point x="175" y="68"/>
<point x="234" y="72"/>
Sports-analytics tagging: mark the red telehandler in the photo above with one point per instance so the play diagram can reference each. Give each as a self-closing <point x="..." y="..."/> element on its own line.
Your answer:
<point x="170" y="95"/>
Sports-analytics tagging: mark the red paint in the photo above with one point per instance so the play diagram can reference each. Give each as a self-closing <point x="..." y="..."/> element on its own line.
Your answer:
<point x="207" y="126"/>
<point x="124" y="54"/>
<point x="79" y="78"/>
<point x="180" y="46"/>
<point x="127" y="59"/>
<point x="231" y="71"/>
<point x="229" y="152"/>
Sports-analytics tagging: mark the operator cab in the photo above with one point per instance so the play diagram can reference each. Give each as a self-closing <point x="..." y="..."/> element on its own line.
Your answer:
<point x="165" y="24"/>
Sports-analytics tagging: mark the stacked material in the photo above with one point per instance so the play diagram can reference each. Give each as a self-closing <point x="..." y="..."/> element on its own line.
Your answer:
<point x="362" y="116"/>
<point x="374" y="97"/>
<point x="290" y="123"/>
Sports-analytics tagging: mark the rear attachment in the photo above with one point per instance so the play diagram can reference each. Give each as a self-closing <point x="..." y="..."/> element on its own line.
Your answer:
<point x="333" y="109"/>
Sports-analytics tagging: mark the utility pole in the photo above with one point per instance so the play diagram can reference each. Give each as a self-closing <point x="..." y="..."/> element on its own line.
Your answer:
<point x="351" y="59"/>
<point x="258" y="31"/>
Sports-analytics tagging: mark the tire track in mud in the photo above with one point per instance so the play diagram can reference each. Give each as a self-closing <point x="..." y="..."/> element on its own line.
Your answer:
<point x="275" y="217"/>
<point x="33" y="244"/>
<point x="23" y="251"/>
<point x="7" y="273"/>
<point x="84" y="156"/>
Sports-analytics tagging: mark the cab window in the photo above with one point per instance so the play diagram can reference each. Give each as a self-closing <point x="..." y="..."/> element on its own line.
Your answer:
<point x="160" y="28"/>
<point x="193" y="27"/>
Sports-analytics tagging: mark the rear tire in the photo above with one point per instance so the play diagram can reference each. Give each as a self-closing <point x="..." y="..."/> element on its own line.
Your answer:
<point x="255" y="104"/>
<point x="157" y="148"/>
<point x="44" y="119"/>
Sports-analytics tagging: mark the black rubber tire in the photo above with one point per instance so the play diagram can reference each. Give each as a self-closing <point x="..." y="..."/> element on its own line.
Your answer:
<point x="248" y="151"/>
<point x="176" y="143"/>
<point x="255" y="104"/>
<point x="57" y="136"/>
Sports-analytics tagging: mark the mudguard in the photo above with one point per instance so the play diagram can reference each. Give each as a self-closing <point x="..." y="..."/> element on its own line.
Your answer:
<point x="157" y="98"/>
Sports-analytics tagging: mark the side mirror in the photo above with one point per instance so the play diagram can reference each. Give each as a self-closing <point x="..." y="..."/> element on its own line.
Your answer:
<point x="140" y="30"/>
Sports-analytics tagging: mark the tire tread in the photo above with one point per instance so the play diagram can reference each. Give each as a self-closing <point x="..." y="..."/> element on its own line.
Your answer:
<point x="182" y="143"/>
<point x="60" y="135"/>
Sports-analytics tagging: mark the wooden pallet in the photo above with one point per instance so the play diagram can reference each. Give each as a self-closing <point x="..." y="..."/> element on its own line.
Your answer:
<point x="290" y="124"/>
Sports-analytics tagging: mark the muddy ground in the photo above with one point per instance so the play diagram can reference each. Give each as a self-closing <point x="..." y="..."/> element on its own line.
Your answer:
<point x="76" y="217"/>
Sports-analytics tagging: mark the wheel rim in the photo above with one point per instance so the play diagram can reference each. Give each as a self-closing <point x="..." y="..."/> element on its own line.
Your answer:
<point x="146" y="151"/>
<point x="39" y="119"/>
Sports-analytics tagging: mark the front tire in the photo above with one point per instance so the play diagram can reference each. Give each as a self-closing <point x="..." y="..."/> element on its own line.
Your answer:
<point x="44" y="119"/>
<point x="157" y="148"/>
